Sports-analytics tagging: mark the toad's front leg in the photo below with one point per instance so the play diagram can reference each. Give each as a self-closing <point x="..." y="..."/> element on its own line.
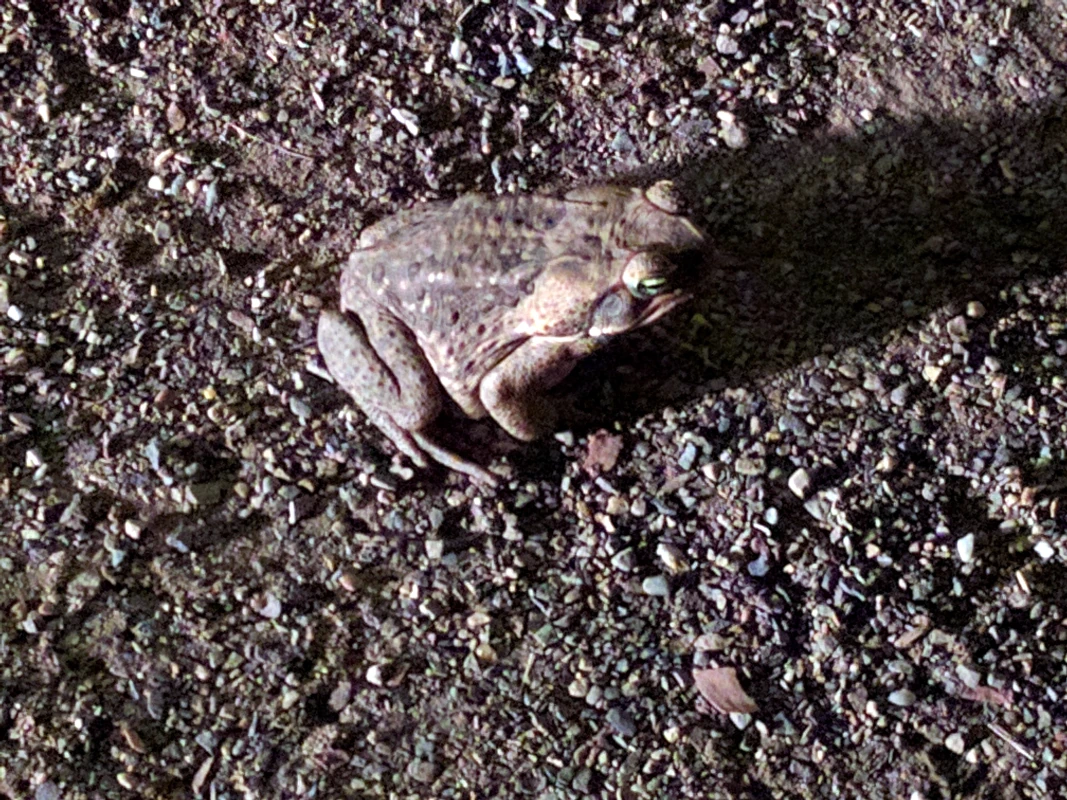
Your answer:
<point x="513" y="392"/>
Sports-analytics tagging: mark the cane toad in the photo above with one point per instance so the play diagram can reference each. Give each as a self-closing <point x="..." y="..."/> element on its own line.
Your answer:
<point x="491" y="301"/>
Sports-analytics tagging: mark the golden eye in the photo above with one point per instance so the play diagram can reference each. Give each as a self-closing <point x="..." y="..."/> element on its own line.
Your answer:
<point x="647" y="275"/>
<point x="649" y="287"/>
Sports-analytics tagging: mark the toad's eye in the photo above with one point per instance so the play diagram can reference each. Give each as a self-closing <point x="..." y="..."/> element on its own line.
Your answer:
<point x="647" y="275"/>
<point x="655" y="272"/>
<point x="649" y="287"/>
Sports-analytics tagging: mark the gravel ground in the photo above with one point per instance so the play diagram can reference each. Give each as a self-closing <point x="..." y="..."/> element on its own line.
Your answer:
<point x="812" y="546"/>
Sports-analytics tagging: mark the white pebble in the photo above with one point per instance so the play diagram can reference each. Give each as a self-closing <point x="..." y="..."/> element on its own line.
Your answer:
<point x="955" y="743"/>
<point x="1044" y="550"/>
<point x="965" y="547"/>
<point x="407" y="119"/>
<point x="656" y="586"/>
<point x="799" y="483"/>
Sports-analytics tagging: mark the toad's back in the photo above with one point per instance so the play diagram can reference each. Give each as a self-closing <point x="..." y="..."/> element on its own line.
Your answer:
<point x="451" y="263"/>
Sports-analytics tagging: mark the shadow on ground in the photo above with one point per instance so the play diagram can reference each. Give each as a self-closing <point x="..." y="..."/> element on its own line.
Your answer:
<point x="840" y="240"/>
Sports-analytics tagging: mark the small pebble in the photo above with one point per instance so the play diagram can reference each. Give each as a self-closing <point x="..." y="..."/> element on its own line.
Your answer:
<point x="1044" y="550"/>
<point x="734" y="136"/>
<point x="709" y="642"/>
<point x="267" y="605"/>
<point x="622" y="143"/>
<point x="406" y="118"/>
<point x="799" y="483"/>
<point x="161" y="232"/>
<point x="793" y="424"/>
<point x="902" y="697"/>
<point x="970" y="678"/>
<point x="750" y="466"/>
<point x="887" y="463"/>
<point x="965" y="547"/>
<point x="758" y="568"/>
<point x="980" y="56"/>
<point x="955" y="743"/>
<point x="957" y="329"/>
<point x="299" y="407"/>
<point x="623" y="560"/>
<point x="421" y="770"/>
<point x="740" y="720"/>
<point x="818" y="507"/>
<point x="838" y="27"/>
<point x="899" y="396"/>
<point x="688" y="456"/>
<point x="621" y="722"/>
<point x="672" y="557"/>
<point x="349" y="579"/>
<point x="656" y="586"/>
<point x="340" y="696"/>
<point x="726" y="45"/>
<point x="579" y="687"/>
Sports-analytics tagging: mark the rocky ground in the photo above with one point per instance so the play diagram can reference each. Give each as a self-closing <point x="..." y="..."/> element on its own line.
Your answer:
<point x="813" y="546"/>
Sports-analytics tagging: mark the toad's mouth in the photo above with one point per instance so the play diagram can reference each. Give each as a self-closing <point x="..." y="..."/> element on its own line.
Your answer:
<point x="650" y="289"/>
<point x="661" y="305"/>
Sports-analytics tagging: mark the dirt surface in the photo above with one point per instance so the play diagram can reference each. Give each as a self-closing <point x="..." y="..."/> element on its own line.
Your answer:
<point x="839" y="473"/>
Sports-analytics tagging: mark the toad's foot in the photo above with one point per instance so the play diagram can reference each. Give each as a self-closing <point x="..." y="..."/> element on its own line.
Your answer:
<point x="449" y="459"/>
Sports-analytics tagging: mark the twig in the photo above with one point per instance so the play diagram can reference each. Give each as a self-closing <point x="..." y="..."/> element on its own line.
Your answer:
<point x="242" y="132"/>
<point x="1021" y="749"/>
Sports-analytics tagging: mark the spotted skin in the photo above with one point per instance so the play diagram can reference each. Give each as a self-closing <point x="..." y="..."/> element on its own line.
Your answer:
<point x="491" y="301"/>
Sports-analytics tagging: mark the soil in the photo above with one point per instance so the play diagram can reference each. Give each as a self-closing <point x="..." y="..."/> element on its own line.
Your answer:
<point x="807" y="539"/>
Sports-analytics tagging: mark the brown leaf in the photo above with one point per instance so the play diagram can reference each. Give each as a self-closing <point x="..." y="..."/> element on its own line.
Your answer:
<point x="987" y="694"/>
<point x="719" y="686"/>
<point x="1059" y="741"/>
<point x="710" y="67"/>
<point x="602" y="453"/>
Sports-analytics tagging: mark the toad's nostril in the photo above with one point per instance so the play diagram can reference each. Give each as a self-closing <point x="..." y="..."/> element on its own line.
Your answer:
<point x="685" y="260"/>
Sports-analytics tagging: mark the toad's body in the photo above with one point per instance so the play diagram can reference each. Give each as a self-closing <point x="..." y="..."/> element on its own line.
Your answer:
<point x="494" y="300"/>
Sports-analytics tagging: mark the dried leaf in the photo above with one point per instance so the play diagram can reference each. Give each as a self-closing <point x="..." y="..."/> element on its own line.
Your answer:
<point x="602" y="453"/>
<point x="987" y="694"/>
<point x="719" y="686"/>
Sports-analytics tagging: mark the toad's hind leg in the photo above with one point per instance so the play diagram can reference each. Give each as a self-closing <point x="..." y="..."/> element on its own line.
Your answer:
<point x="397" y="397"/>
<point x="447" y="458"/>
<point x="400" y="393"/>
